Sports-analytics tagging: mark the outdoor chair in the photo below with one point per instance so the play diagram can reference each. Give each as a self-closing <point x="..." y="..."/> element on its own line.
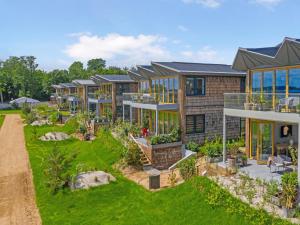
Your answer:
<point x="276" y="163"/>
<point x="287" y="161"/>
<point x="289" y="103"/>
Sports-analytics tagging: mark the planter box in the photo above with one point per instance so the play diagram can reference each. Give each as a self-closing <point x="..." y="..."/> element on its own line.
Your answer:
<point x="162" y="156"/>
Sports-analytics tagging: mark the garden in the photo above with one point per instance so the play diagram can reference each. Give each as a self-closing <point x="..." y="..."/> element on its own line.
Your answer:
<point x="55" y="164"/>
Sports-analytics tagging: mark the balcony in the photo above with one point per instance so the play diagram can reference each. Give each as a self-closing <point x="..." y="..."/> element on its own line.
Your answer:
<point x="266" y="106"/>
<point x="73" y="97"/>
<point x="99" y="98"/>
<point x="147" y="101"/>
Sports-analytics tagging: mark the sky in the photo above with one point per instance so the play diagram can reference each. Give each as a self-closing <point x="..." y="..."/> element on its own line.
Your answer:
<point x="131" y="32"/>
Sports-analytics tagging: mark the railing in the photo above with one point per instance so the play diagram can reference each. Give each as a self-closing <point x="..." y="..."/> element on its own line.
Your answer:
<point x="99" y="96"/>
<point x="142" y="98"/>
<point x="263" y="102"/>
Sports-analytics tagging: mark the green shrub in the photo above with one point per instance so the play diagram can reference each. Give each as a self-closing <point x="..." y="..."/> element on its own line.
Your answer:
<point x="57" y="169"/>
<point x="193" y="146"/>
<point x="212" y="148"/>
<point x="132" y="154"/>
<point x="187" y="168"/>
<point x="30" y="117"/>
<point x="72" y="125"/>
<point x="26" y="109"/>
<point x="289" y="184"/>
<point x="174" y="136"/>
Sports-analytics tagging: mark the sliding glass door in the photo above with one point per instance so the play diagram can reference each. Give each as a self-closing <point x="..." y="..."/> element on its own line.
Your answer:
<point x="262" y="140"/>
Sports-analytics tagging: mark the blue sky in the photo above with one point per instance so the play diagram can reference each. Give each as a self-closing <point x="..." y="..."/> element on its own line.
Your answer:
<point x="129" y="32"/>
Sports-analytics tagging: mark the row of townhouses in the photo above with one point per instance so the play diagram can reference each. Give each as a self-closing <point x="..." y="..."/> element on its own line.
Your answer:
<point x="257" y="97"/>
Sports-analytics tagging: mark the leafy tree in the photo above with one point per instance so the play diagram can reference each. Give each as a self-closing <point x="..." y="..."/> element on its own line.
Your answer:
<point x="76" y="71"/>
<point x="94" y="65"/>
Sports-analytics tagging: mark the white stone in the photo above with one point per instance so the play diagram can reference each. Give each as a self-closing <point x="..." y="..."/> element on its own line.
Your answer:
<point x="55" y="136"/>
<point x="40" y="123"/>
<point x="92" y="179"/>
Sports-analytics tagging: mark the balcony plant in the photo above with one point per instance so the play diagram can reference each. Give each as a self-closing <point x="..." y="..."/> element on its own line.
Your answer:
<point x="261" y="103"/>
<point x="289" y="193"/>
<point x="298" y="108"/>
<point x="248" y="104"/>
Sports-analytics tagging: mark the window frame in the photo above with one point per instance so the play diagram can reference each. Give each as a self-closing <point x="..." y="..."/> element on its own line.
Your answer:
<point x="195" y="87"/>
<point x="194" y="118"/>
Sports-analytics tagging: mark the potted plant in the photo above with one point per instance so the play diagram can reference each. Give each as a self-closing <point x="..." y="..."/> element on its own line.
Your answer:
<point x="244" y="160"/>
<point x="289" y="193"/>
<point x="248" y="105"/>
<point x="273" y="193"/>
<point x="261" y="103"/>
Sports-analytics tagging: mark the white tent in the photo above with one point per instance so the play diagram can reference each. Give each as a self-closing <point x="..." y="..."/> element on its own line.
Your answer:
<point x="22" y="100"/>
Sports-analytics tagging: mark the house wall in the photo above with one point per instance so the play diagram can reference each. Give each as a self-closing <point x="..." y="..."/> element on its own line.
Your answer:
<point x="211" y="104"/>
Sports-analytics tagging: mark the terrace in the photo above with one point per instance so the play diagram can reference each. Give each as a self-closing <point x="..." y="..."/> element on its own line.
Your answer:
<point x="99" y="98"/>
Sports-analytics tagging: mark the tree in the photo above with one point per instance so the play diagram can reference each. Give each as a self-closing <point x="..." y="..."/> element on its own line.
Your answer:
<point x="95" y="65"/>
<point x="76" y="70"/>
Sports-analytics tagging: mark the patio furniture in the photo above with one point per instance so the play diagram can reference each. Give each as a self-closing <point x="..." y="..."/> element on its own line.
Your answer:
<point x="287" y="161"/>
<point x="289" y="103"/>
<point x="276" y="163"/>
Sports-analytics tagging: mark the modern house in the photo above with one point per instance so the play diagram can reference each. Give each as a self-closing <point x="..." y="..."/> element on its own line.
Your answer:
<point x="271" y="103"/>
<point x="189" y="95"/>
<point x="65" y="96"/>
<point x="84" y="87"/>
<point x="105" y="99"/>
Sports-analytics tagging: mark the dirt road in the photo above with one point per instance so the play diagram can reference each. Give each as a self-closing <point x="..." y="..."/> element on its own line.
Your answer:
<point x="17" y="197"/>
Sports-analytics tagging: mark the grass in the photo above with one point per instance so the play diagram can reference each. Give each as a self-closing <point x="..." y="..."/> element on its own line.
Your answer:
<point x="1" y="119"/>
<point x="10" y="111"/>
<point x="124" y="202"/>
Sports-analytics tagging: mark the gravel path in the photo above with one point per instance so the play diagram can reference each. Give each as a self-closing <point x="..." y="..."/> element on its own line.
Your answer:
<point x="17" y="197"/>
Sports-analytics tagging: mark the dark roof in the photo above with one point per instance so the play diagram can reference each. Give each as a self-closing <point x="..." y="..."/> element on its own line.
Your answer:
<point x="269" y="51"/>
<point x="147" y="67"/>
<point x="114" y="78"/>
<point x="67" y="85"/>
<point x="84" y="82"/>
<point x="186" y="67"/>
<point x="285" y="53"/>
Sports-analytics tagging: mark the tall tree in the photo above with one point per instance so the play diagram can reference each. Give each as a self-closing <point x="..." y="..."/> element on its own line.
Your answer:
<point x="95" y="65"/>
<point x="76" y="70"/>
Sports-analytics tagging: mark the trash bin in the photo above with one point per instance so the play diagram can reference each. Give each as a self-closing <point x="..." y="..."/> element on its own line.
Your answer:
<point x="154" y="179"/>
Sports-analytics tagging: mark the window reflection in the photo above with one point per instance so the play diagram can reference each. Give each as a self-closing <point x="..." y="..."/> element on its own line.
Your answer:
<point x="256" y="81"/>
<point x="294" y="81"/>
<point x="280" y="81"/>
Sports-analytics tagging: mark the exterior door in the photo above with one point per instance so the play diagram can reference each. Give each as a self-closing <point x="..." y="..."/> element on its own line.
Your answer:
<point x="262" y="140"/>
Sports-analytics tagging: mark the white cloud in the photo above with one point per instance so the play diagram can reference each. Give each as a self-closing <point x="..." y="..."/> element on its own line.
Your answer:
<point x="119" y="49"/>
<point x="182" y="28"/>
<point x="204" y="55"/>
<point x="206" y="3"/>
<point x="268" y="3"/>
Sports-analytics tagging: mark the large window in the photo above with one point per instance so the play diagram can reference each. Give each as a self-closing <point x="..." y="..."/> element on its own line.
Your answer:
<point x="195" y="86"/>
<point x="166" y="89"/>
<point x="280" y="81"/>
<point x="195" y="124"/>
<point x="144" y="87"/>
<point x="256" y="81"/>
<point x="268" y="81"/>
<point x="294" y="81"/>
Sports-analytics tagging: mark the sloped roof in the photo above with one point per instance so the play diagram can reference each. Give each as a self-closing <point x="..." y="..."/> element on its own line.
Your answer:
<point x="56" y="86"/>
<point x="284" y="54"/>
<point x="134" y="75"/>
<point x="198" y="68"/>
<point x="67" y="85"/>
<point x="84" y="82"/>
<point x="115" y="78"/>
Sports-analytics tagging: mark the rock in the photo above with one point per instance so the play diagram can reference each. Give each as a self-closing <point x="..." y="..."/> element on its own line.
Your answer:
<point x="55" y="136"/>
<point x="40" y="123"/>
<point x="92" y="179"/>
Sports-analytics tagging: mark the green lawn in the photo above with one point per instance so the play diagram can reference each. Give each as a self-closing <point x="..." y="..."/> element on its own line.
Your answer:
<point x="124" y="202"/>
<point x="10" y="111"/>
<point x="1" y="119"/>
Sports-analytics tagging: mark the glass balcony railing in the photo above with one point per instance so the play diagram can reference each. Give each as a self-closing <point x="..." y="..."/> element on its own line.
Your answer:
<point x="141" y="98"/>
<point x="263" y="102"/>
<point x="99" y="96"/>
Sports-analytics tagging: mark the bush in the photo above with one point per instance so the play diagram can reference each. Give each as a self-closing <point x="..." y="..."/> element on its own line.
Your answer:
<point x="212" y="148"/>
<point x="57" y="169"/>
<point x="187" y="168"/>
<point x="26" y="108"/>
<point x="30" y="117"/>
<point x="289" y="184"/>
<point x="132" y="155"/>
<point x="193" y="146"/>
<point x="174" y="136"/>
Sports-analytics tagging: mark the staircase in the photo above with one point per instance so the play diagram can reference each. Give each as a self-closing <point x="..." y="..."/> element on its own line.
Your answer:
<point x="144" y="160"/>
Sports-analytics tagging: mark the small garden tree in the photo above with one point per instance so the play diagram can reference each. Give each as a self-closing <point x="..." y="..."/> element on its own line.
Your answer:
<point x="187" y="168"/>
<point x="57" y="169"/>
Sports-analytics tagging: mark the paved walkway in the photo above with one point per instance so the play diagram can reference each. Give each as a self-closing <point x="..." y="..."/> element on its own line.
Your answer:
<point x="17" y="197"/>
